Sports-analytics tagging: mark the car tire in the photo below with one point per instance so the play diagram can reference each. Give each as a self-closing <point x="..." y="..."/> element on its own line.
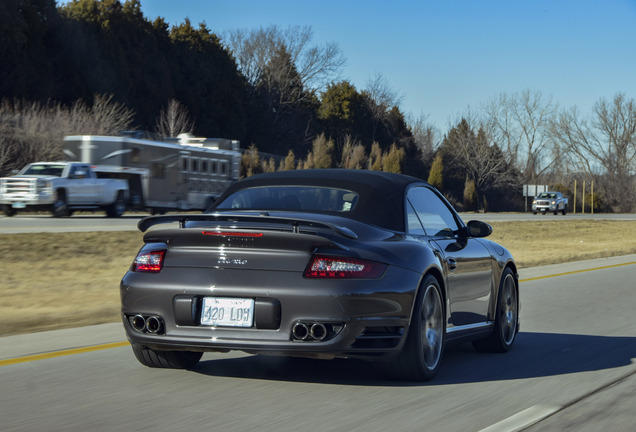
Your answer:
<point x="8" y="211"/>
<point x="117" y="208"/>
<point x="166" y="359"/>
<point x="564" y="211"/>
<point x="507" y="318"/>
<point x="60" y="207"/>
<point x="421" y="356"/>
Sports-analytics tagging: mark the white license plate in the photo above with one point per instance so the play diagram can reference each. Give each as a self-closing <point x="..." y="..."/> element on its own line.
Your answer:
<point x="19" y="205"/>
<point x="228" y="312"/>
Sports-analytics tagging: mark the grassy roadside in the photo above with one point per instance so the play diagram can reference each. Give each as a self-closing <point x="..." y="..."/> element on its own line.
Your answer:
<point x="62" y="280"/>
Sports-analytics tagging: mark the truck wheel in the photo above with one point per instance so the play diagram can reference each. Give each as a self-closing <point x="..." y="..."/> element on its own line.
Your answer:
<point x="117" y="208"/>
<point x="556" y="212"/>
<point x="60" y="208"/>
<point x="564" y="211"/>
<point x="8" y="211"/>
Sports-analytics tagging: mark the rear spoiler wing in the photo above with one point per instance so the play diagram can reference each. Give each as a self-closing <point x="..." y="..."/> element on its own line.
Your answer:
<point x="295" y="223"/>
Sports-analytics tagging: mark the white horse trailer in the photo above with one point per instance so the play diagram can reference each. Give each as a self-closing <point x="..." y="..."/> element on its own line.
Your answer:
<point x="184" y="173"/>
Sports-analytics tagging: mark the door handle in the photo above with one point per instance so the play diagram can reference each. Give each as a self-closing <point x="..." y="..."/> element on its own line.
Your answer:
<point x="452" y="264"/>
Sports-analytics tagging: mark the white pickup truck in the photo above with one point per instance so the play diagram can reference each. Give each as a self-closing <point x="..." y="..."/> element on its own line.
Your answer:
<point x="553" y="202"/>
<point x="61" y="187"/>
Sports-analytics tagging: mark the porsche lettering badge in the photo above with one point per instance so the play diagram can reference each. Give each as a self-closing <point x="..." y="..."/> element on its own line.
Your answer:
<point x="231" y="261"/>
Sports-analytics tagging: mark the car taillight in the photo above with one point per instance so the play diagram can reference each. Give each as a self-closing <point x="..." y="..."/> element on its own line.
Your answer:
<point x="149" y="261"/>
<point x="325" y="267"/>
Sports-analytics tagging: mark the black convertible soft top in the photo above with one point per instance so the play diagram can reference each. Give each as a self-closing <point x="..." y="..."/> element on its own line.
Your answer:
<point x="381" y="194"/>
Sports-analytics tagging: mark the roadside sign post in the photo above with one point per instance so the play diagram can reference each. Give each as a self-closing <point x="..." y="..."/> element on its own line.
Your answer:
<point x="583" y="201"/>
<point x="574" y="206"/>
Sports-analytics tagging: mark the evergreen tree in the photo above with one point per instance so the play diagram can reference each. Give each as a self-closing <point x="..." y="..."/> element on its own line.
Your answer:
<point x="338" y="109"/>
<point x="436" y="175"/>
<point x="289" y="162"/>
<point x="375" y="158"/>
<point x="393" y="159"/>
<point x="321" y="154"/>
<point x="470" y="195"/>
<point x="251" y="162"/>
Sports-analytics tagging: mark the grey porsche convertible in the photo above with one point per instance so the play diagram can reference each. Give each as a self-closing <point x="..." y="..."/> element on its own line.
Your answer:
<point x="320" y="264"/>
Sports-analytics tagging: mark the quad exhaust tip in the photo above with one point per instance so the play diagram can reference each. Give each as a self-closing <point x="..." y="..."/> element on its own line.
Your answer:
<point x="315" y="331"/>
<point x="152" y="324"/>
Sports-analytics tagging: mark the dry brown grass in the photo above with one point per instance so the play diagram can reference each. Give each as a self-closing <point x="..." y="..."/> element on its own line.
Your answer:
<point x="52" y="281"/>
<point x="551" y="242"/>
<point x="62" y="280"/>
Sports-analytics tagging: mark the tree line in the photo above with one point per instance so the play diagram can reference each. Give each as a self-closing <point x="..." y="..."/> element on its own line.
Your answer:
<point x="100" y="67"/>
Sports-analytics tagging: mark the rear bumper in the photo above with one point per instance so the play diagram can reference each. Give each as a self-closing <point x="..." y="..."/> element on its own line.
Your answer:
<point x="364" y="318"/>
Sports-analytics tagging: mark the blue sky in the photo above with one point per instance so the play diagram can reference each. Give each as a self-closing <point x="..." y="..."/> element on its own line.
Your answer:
<point x="446" y="56"/>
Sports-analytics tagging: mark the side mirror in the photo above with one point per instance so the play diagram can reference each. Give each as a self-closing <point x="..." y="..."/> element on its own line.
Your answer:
<point x="478" y="229"/>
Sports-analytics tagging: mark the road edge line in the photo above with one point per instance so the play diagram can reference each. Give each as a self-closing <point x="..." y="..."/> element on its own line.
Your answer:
<point x="62" y="353"/>
<point x="523" y="419"/>
<point x="576" y="271"/>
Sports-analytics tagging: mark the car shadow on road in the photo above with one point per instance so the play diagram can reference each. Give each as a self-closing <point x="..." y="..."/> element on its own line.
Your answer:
<point x="538" y="355"/>
<point x="534" y="355"/>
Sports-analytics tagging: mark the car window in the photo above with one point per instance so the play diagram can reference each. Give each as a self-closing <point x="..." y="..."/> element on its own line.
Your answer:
<point x="51" y="170"/>
<point x="413" y="222"/>
<point x="434" y="215"/>
<point x="310" y="198"/>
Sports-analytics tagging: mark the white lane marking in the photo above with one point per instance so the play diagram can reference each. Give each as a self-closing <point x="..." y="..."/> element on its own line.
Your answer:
<point x="523" y="419"/>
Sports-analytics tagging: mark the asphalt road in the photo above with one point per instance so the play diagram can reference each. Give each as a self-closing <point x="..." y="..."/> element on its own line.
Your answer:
<point x="572" y="368"/>
<point x="32" y="223"/>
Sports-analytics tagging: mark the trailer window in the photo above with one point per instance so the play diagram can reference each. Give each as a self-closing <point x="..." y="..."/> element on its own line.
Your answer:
<point x="194" y="163"/>
<point x="158" y="170"/>
<point x="213" y="166"/>
<point x="223" y="167"/>
<point x="135" y="155"/>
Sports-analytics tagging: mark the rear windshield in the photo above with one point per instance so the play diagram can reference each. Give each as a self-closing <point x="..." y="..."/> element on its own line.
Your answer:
<point x="307" y="198"/>
<point x="44" y="170"/>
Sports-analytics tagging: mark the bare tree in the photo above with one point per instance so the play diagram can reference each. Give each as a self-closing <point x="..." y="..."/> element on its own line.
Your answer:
<point x="109" y="117"/>
<point x="425" y="136"/>
<point x="174" y="120"/>
<point x="520" y="125"/>
<point x="31" y="131"/>
<point x="258" y="53"/>
<point x="381" y="98"/>
<point x="608" y="142"/>
<point x="474" y="156"/>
